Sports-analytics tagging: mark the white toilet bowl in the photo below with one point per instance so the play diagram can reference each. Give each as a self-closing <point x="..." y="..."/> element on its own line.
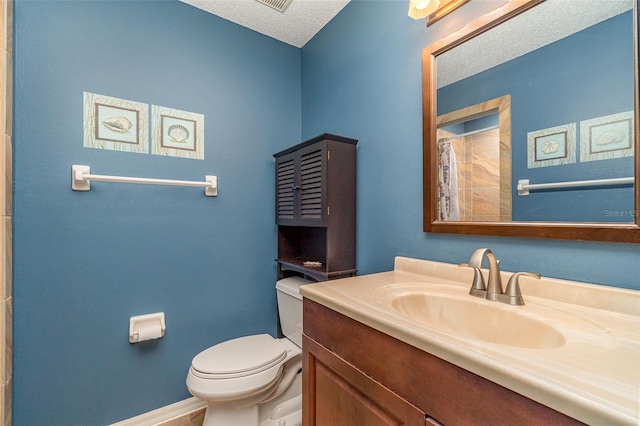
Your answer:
<point x="255" y="380"/>
<point x="236" y="377"/>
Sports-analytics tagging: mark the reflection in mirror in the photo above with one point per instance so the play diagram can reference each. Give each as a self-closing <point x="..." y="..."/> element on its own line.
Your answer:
<point x="572" y="97"/>
<point x="474" y="162"/>
<point x="570" y="70"/>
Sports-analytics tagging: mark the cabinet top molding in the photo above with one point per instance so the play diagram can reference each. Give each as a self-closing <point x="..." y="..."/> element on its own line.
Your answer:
<point x="314" y="140"/>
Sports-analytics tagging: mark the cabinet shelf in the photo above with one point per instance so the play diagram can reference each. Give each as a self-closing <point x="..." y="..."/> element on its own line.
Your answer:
<point x="318" y="273"/>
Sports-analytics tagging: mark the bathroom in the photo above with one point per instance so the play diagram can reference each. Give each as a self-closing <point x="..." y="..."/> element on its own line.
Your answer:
<point x="84" y="263"/>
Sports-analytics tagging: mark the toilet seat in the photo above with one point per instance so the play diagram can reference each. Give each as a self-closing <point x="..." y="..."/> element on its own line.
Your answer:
<point x="239" y="368"/>
<point x="239" y="357"/>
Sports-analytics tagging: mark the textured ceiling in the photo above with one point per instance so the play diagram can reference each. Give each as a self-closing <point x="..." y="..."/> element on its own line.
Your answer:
<point x="544" y="24"/>
<point x="296" y="26"/>
<point x="548" y="22"/>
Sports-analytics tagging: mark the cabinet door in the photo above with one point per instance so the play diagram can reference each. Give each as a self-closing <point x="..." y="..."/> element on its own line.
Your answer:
<point x="286" y="190"/>
<point x="312" y="185"/>
<point x="301" y="187"/>
<point x="336" y="393"/>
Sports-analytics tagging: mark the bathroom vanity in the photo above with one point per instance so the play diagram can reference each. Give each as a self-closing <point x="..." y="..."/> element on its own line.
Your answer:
<point x="411" y="346"/>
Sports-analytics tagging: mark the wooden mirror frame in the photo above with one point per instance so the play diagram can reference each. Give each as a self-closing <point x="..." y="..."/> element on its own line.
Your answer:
<point x="610" y="232"/>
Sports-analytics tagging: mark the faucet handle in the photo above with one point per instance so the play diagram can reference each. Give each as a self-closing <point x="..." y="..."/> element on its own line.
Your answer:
<point x="478" y="287"/>
<point x="513" y="288"/>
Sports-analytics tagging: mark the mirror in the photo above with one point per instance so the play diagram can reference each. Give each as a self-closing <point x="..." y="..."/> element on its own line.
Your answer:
<point x="565" y="160"/>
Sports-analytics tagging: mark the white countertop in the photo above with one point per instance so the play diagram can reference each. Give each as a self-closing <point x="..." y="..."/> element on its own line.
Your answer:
<point x="593" y="377"/>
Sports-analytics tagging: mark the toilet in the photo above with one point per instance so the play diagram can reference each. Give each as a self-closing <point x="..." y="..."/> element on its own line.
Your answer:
<point x="255" y="380"/>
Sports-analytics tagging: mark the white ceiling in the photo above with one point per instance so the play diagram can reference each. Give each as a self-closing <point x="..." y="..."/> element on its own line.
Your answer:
<point x="545" y="23"/>
<point x="296" y="26"/>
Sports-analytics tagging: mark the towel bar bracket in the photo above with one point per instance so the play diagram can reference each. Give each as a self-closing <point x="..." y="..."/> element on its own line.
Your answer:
<point x="78" y="183"/>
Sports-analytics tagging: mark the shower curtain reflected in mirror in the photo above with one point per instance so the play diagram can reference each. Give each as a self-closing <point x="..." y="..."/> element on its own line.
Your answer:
<point x="473" y="185"/>
<point x="448" y="205"/>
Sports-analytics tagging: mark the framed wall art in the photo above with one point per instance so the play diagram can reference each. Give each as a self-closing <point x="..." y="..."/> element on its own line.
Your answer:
<point x="607" y="137"/>
<point x="551" y="147"/>
<point x="115" y="124"/>
<point x="177" y="133"/>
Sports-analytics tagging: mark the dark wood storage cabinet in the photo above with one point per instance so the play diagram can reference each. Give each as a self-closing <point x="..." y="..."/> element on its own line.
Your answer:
<point x="316" y="208"/>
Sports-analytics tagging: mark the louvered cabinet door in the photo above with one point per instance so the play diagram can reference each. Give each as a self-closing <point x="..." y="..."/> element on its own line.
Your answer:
<point x="312" y="185"/>
<point x="286" y="190"/>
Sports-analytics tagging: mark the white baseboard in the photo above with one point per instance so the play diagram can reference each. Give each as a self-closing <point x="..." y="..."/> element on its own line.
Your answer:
<point x="165" y="414"/>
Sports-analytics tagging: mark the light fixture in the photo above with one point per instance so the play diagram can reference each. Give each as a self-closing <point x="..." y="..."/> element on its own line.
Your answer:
<point x="419" y="9"/>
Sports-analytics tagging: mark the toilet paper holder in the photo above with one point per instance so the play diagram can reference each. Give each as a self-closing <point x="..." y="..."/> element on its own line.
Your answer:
<point x="146" y="327"/>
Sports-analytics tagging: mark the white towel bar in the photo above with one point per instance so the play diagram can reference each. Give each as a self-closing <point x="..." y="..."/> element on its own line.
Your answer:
<point x="524" y="186"/>
<point x="81" y="178"/>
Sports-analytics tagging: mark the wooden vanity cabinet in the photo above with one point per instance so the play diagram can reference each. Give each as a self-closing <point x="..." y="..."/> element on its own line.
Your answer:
<point x="316" y="207"/>
<point x="356" y="375"/>
<point x="343" y="395"/>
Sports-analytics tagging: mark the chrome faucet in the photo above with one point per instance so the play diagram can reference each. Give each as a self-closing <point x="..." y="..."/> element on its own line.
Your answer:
<point x="493" y="290"/>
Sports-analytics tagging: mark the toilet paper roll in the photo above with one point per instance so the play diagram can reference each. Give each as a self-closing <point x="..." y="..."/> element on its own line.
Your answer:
<point x="148" y="333"/>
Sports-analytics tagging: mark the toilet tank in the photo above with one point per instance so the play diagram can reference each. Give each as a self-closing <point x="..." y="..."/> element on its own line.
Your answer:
<point x="290" y="307"/>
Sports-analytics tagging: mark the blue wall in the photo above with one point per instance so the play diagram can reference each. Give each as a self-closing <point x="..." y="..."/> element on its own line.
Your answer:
<point x="556" y="85"/>
<point x="84" y="262"/>
<point x="362" y="78"/>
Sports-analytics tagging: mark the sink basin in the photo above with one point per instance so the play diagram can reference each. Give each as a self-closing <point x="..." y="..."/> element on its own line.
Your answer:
<point x="480" y="320"/>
